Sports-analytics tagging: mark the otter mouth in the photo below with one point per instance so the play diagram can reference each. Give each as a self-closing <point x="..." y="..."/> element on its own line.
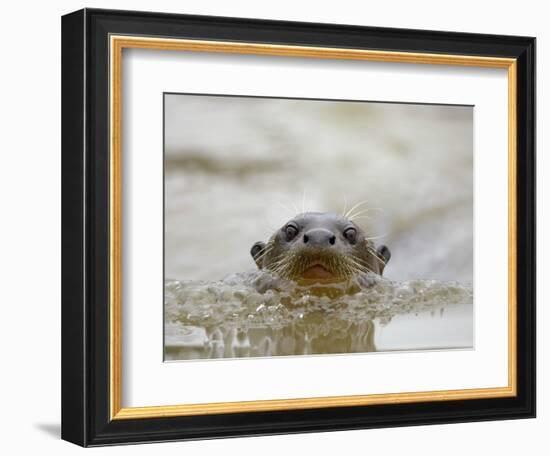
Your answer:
<point x="317" y="270"/>
<point x="321" y="267"/>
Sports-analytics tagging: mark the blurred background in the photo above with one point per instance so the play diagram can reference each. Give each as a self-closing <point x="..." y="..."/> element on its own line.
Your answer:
<point x="238" y="168"/>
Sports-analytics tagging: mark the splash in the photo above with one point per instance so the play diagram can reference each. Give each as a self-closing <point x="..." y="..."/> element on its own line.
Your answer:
<point x="257" y="314"/>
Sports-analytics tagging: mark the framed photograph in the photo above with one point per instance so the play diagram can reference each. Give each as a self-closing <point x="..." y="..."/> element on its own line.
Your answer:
<point x="279" y="227"/>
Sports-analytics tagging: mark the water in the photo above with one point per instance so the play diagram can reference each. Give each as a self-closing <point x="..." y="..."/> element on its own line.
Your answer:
<point x="256" y="314"/>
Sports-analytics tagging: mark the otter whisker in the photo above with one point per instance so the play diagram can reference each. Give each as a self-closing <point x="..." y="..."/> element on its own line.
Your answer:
<point x="376" y="254"/>
<point x="361" y="264"/>
<point x="280" y="259"/>
<point x="372" y="238"/>
<point x="365" y="213"/>
<point x="278" y="270"/>
<point x="359" y="261"/>
<point x="356" y="270"/>
<point x="368" y="217"/>
<point x="370" y="250"/>
<point x="348" y="269"/>
<point x="361" y="213"/>
<point x="356" y="206"/>
<point x="265" y="252"/>
<point x="281" y="266"/>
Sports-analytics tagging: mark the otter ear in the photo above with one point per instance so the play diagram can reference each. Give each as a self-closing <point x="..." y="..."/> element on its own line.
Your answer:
<point x="256" y="252"/>
<point x="385" y="255"/>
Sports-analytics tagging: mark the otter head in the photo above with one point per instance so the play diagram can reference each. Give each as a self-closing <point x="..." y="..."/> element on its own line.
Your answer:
<point x="322" y="247"/>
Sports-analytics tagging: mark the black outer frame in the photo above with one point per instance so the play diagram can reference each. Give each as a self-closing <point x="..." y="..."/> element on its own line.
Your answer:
<point x="85" y="227"/>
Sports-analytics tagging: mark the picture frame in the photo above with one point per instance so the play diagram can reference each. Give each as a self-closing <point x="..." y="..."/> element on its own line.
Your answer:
<point x="92" y="366"/>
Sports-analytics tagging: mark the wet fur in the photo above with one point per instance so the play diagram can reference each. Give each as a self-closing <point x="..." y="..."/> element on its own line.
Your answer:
<point x="290" y="258"/>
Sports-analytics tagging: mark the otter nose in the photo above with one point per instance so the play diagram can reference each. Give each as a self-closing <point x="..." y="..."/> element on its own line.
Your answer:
<point x="319" y="237"/>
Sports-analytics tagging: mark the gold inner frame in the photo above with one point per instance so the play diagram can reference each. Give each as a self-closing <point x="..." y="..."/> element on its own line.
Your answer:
<point x="117" y="44"/>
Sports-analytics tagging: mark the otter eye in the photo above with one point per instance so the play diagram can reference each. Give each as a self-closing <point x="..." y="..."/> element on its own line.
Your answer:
<point x="291" y="232"/>
<point x="351" y="235"/>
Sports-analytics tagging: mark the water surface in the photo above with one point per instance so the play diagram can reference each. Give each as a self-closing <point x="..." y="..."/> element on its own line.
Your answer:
<point x="255" y="314"/>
